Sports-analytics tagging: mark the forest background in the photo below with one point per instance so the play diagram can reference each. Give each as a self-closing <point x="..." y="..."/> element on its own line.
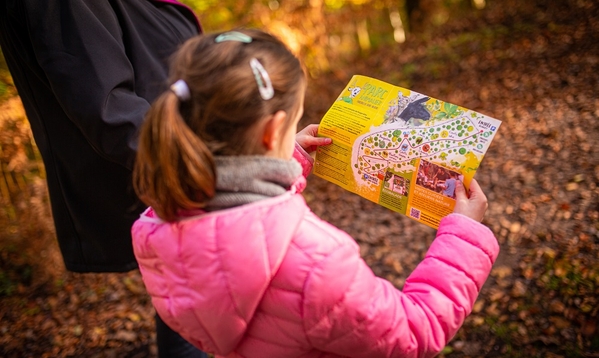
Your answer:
<point x="532" y="64"/>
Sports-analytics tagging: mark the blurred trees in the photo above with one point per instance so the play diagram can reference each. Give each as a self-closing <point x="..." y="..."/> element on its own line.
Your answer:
<point x="24" y="204"/>
<point x="328" y="32"/>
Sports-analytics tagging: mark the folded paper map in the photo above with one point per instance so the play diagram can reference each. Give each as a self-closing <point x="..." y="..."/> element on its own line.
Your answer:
<point x="401" y="149"/>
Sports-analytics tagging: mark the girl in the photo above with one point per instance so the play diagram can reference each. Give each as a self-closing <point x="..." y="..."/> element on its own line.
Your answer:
<point x="232" y="256"/>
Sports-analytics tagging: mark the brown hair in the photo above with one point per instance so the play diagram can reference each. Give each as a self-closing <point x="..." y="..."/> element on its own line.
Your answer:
<point x="174" y="169"/>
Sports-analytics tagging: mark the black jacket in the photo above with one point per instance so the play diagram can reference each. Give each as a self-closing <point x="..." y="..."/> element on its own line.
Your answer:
<point x="86" y="71"/>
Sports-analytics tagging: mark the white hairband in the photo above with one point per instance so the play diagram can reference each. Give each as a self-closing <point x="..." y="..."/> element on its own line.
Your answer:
<point x="262" y="79"/>
<point x="181" y="90"/>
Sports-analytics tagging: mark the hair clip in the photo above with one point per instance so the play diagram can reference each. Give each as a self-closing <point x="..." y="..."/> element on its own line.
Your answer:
<point x="181" y="90"/>
<point x="233" y="36"/>
<point x="262" y="79"/>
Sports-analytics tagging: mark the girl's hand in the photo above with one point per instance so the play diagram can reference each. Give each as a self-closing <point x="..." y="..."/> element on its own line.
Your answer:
<point x="308" y="140"/>
<point x="473" y="205"/>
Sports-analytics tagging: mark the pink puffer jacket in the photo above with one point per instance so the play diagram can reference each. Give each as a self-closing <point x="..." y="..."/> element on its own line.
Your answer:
<point x="270" y="279"/>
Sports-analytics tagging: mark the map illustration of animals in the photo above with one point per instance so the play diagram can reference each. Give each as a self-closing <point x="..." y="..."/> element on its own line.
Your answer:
<point x="402" y="149"/>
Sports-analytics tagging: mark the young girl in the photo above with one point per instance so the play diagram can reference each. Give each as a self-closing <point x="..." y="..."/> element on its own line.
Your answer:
<point x="232" y="256"/>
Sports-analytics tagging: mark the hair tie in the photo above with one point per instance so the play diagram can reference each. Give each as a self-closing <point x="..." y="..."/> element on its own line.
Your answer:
<point x="181" y="90"/>
<point x="262" y="79"/>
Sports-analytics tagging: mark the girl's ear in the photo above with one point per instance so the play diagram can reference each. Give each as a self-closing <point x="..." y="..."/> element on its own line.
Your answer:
<point x="272" y="133"/>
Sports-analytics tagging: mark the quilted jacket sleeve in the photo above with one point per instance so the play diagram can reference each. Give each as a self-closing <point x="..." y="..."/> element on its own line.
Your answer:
<point x="362" y="315"/>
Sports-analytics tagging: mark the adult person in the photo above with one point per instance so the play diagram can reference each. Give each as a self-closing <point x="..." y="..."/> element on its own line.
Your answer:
<point x="86" y="71"/>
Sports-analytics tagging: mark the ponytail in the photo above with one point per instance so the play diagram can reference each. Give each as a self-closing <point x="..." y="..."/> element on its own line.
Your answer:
<point x="174" y="168"/>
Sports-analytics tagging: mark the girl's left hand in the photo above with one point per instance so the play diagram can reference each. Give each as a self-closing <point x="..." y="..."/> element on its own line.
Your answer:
<point x="308" y="140"/>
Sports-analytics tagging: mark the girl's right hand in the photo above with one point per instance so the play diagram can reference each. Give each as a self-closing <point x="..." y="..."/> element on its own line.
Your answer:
<point x="473" y="205"/>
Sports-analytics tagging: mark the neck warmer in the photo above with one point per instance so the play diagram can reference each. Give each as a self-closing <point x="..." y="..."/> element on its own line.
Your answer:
<point x="245" y="179"/>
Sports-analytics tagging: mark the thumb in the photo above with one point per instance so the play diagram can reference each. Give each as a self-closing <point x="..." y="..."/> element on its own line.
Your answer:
<point x="474" y="205"/>
<point x="323" y="141"/>
<point x="460" y="191"/>
<point x="317" y="141"/>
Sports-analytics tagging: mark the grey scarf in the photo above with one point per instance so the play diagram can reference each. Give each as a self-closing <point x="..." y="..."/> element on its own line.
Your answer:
<point x="245" y="179"/>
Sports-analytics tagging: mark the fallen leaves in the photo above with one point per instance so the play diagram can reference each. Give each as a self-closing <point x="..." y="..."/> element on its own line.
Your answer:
<point x="81" y="316"/>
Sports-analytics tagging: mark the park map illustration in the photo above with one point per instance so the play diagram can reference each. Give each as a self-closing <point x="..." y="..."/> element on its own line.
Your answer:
<point x="402" y="149"/>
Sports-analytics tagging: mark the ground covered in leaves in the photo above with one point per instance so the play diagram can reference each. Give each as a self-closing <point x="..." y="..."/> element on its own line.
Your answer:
<point x="535" y="66"/>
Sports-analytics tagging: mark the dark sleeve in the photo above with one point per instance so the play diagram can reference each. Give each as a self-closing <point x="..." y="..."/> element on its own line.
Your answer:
<point x="87" y="50"/>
